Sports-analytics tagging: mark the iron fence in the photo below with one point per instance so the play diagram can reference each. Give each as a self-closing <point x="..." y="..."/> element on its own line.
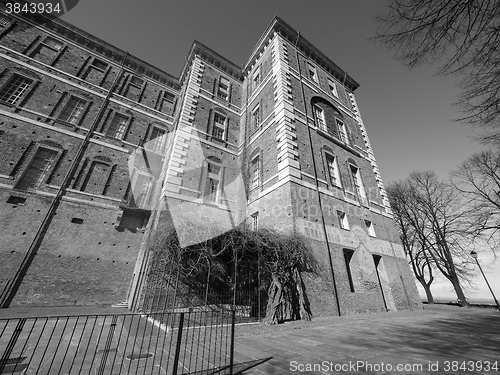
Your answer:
<point x="179" y="342"/>
<point x="248" y="306"/>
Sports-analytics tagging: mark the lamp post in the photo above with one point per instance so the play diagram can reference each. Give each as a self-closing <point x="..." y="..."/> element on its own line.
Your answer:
<point x="474" y="255"/>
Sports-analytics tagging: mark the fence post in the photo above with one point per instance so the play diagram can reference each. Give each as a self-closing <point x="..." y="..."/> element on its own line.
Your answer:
<point x="231" y="355"/>
<point x="178" y="345"/>
<point x="11" y="344"/>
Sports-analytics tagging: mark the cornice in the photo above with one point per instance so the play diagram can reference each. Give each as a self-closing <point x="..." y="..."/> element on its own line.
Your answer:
<point x="98" y="46"/>
<point x="294" y="37"/>
<point x="211" y="57"/>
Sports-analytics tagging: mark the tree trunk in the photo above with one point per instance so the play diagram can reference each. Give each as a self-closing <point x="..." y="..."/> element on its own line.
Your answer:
<point x="428" y="293"/>
<point x="462" y="301"/>
<point x="287" y="299"/>
<point x="305" y="311"/>
<point x="275" y="301"/>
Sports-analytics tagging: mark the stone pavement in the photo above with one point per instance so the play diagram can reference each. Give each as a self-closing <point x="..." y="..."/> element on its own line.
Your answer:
<point x="436" y="340"/>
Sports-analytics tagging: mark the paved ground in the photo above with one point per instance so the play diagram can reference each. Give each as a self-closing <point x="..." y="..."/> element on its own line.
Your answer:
<point x="437" y="340"/>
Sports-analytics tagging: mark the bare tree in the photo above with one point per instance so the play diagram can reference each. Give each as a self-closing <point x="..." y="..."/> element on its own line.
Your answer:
<point x="478" y="178"/>
<point x="204" y="265"/>
<point x="409" y="223"/>
<point x="436" y="213"/>
<point x="464" y="36"/>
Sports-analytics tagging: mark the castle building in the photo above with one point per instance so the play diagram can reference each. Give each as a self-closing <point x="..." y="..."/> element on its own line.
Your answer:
<point x="98" y="147"/>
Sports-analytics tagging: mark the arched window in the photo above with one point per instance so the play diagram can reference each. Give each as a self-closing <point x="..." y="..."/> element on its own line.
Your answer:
<point x="329" y="119"/>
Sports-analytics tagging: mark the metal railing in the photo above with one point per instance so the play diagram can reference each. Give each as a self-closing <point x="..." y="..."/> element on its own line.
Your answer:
<point x="178" y="342"/>
<point x="248" y="306"/>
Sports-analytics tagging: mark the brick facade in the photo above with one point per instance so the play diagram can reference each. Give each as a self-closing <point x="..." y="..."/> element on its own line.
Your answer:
<point x="99" y="142"/>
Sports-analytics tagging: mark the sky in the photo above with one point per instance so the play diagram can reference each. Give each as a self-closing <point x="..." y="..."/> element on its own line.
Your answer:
<point x="409" y="114"/>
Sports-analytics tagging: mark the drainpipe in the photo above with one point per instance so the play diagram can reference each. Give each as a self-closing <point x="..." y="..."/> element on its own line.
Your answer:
<point x="12" y="288"/>
<point x="316" y="181"/>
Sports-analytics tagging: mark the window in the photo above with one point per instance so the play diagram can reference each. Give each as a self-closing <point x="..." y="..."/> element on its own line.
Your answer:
<point x="99" y="65"/>
<point x="4" y="22"/>
<point x="342" y="131"/>
<point x="255" y="221"/>
<point x="156" y="140"/>
<point x="15" y="89"/>
<point x="319" y="114"/>
<point x="118" y="126"/>
<point x="166" y="102"/>
<point x="358" y="183"/>
<point x="256" y="117"/>
<point x="168" y="96"/>
<point x="214" y="179"/>
<point x="254" y="173"/>
<point x="333" y="88"/>
<point x="136" y="81"/>
<point x="38" y="169"/>
<point x="223" y="89"/>
<point x="142" y="190"/>
<point x="313" y="74"/>
<point x="95" y="72"/>
<point x="73" y="111"/>
<point x="47" y="51"/>
<point x="343" y="223"/>
<point x="333" y="170"/>
<point x="98" y="176"/>
<point x="134" y="88"/>
<point x="370" y="228"/>
<point x="347" y="258"/>
<point x="219" y="128"/>
<point x="256" y="78"/>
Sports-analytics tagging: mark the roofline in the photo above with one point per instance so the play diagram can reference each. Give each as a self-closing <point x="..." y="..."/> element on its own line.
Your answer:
<point x="212" y="57"/>
<point x="99" y="46"/>
<point x="279" y="26"/>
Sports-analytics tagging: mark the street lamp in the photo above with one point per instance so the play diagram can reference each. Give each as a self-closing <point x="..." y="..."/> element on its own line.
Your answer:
<point x="474" y="255"/>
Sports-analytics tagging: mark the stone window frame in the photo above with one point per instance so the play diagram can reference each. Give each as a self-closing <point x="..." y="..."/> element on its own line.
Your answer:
<point x="357" y="183"/>
<point x="332" y="88"/>
<point x="312" y="73"/>
<point x="94" y="65"/>
<point x="342" y="130"/>
<point x="370" y="228"/>
<point x="65" y="105"/>
<point x="343" y="220"/>
<point x="48" y="172"/>
<point x="219" y="92"/>
<point x="335" y="125"/>
<point x="5" y="21"/>
<point x="45" y="43"/>
<point x="254" y="221"/>
<point x="328" y="153"/>
<point x="153" y="146"/>
<point x="6" y="24"/>
<point x="130" y="82"/>
<point x="164" y="100"/>
<point x="20" y="98"/>
<point x="213" y="197"/>
<point x="255" y="171"/>
<point x="105" y="128"/>
<point x="319" y="118"/>
<point x="212" y="127"/>
<point x="95" y="161"/>
<point x="256" y="117"/>
<point x="256" y="78"/>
